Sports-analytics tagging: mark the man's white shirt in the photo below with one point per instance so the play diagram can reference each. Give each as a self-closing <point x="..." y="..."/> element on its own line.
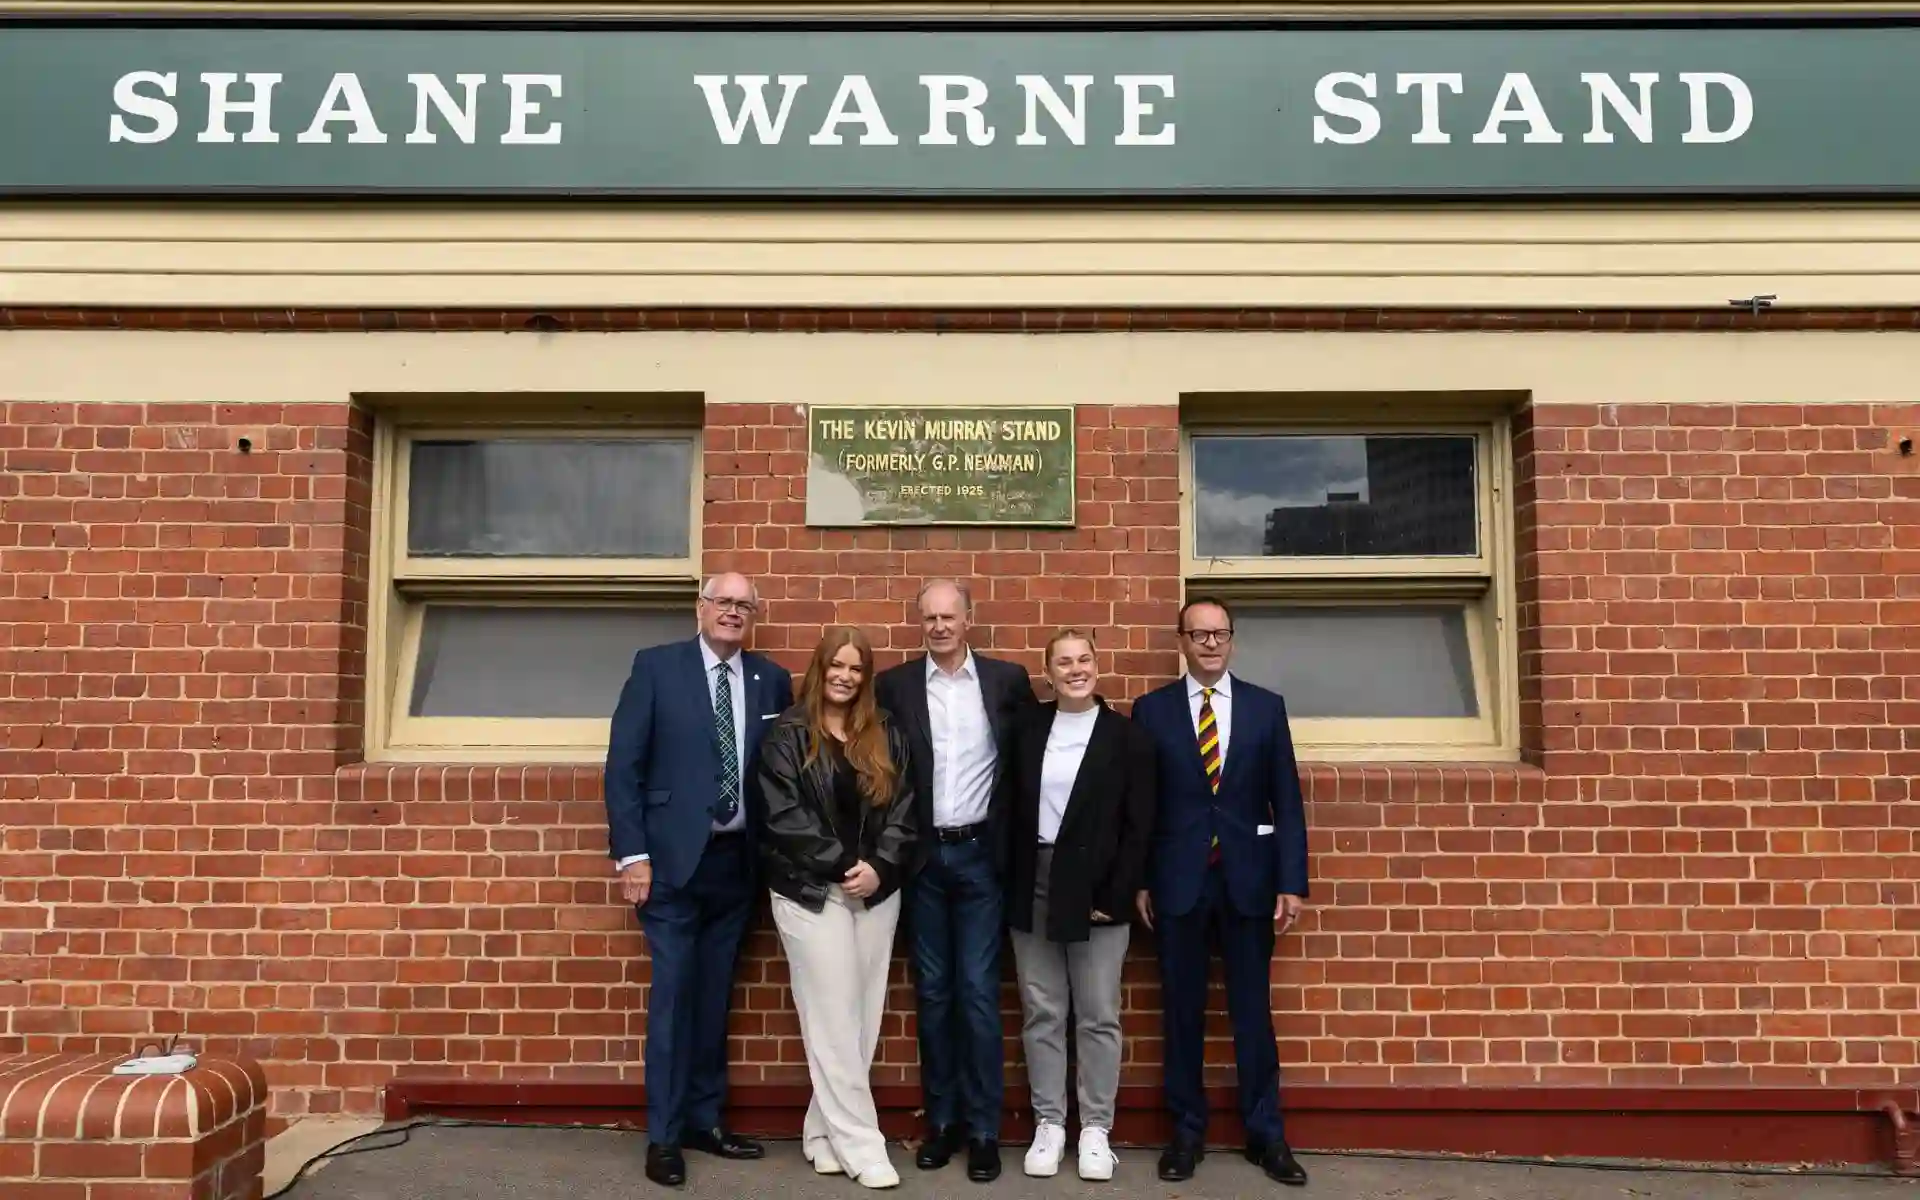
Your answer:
<point x="1222" y="710"/>
<point x="964" y="756"/>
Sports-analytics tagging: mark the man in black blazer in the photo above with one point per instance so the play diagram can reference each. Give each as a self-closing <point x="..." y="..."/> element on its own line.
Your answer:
<point x="1230" y="851"/>
<point x="958" y="708"/>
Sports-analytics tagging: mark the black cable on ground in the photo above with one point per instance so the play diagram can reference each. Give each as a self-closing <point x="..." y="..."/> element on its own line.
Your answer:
<point x="352" y="1146"/>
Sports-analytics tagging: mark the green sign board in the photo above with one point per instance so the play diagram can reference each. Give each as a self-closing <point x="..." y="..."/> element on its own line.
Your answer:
<point x="1789" y="106"/>
<point x="940" y="466"/>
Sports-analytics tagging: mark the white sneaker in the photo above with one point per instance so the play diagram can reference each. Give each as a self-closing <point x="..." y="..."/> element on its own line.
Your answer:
<point x="879" y="1175"/>
<point x="1049" y="1142"/>
<point x="1096" y="1157"/>
<point x="824" y="1163"/>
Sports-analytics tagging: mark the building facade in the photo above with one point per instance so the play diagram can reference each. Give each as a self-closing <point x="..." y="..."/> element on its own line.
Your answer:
<point x="341" y="485"/>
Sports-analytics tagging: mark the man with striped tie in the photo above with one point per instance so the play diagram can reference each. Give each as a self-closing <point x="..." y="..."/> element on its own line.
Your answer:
<point x="1229" y="858"/>
<point x="682" y="827"/>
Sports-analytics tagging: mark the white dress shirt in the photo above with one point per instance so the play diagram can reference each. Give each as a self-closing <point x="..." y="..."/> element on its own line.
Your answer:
<point x="736" y="683"/>
<point x="964" y="756"/>
<point x="1060" y="766"/>
<point x="1222" y="712"/>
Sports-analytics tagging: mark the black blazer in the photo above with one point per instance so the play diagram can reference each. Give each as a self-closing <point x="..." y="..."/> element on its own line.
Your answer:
<point x="799" y="851"/>
<point x="1005" y="689"/>
<point x="1100" y="853"/>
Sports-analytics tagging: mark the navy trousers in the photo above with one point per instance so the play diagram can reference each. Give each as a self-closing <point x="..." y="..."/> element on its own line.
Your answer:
<point x="1246" y="948"/>
<point x="693" y="935"/>
<point x="954" y="916"/>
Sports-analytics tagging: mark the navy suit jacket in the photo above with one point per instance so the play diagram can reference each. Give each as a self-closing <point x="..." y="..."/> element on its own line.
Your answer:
<point x="663" y="756"/>
<point x="1259" y="786"/>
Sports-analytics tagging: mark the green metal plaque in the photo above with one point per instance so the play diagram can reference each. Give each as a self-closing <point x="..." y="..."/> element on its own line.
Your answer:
<point x="940" y="466"/>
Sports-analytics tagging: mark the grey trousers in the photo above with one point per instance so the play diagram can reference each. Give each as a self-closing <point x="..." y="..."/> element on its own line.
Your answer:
<point x="1083" y="975"/>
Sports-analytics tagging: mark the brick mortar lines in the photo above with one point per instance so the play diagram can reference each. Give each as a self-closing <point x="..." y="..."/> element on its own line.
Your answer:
<point x="1708" y="877"/>
<point x="997" y="320"/>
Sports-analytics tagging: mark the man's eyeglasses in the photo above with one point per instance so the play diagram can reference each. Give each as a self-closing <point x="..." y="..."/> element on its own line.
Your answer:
<point x="1210" y="637"/>
<point x="727" y="604"/>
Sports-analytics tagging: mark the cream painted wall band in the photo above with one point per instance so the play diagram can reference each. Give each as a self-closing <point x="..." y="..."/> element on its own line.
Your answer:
<point x="595" y="257"/>
<point x="1125" y="369"/>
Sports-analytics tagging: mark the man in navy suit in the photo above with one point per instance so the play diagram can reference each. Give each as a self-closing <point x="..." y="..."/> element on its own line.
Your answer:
<point x="683" y="825"/>
<point x="1230" y="853"/>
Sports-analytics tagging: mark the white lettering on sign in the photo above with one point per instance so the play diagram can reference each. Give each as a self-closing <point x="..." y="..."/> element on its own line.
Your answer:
<point x="753" y="106"/>
<point x="251" y="108"/>
<point x="345" y="100"/>
<point x="854" y="90"/>
<point x="1072" y="123"/>
<point x="146" y="108"/>
<point x="954" y="110"/>
<point x="1350" y="115"/>
<point x="131" y="101"/>
<point x="462" y="118"/>
<point x="1697" y="84"/>
<point x="259" y="107"/>
<point x="943" y="106"/>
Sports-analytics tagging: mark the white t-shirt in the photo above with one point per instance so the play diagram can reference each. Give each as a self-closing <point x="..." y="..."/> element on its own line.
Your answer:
<point x="1066" y="745"/>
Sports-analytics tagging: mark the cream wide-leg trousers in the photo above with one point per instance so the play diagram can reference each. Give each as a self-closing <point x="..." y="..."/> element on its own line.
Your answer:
<point x="838" y="960"/>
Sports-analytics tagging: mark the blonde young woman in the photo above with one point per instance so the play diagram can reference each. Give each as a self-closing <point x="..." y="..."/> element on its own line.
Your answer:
<point x="840" y="830"/>
<point x="1080" y="812"/>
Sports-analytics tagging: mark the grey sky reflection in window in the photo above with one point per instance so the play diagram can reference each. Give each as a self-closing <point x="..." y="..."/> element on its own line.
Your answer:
<point x="558" y="497"/>
<point x="487" y="661"/>
<point x="1286" y="495"/>
<point x="1359" y="661"/>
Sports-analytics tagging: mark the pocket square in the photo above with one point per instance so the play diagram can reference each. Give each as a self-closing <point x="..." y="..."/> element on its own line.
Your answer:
<point x="1262" y="830"/>
<point x="768" y="716"/>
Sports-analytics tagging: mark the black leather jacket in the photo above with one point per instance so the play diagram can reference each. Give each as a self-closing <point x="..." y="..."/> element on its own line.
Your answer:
<point x="799" y="850"/>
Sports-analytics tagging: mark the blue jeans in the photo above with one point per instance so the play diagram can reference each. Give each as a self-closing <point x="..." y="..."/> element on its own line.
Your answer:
<point x="954" y="910"/>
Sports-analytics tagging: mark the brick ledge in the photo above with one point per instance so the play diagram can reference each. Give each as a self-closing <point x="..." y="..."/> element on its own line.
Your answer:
<point x="1681" y="1124"/>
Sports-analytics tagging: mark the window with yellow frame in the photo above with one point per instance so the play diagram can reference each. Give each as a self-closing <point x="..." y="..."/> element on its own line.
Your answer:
<point x="1368" y="562"/>
<point x="518" y="568"/>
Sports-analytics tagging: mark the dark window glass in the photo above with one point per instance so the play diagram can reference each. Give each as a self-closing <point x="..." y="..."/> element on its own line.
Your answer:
<point x="559" y="498"/>
<point x="1296" y="496"/>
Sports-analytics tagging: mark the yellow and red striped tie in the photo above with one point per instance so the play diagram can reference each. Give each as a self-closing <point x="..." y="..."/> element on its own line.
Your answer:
<point x="1210" y="757"/>
<point x="1209" y="739"/>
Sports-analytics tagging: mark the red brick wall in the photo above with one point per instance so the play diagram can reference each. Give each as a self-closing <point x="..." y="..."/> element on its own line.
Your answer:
<point x="1706" y="872"/>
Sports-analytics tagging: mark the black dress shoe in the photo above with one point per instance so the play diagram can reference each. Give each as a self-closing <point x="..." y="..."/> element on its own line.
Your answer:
<point x="939" y="1148"/>
<point x="983" y="1160"/>
<point x="1277" y="1160"/>
<point x="665" y="1166"/>
<point x="1177" y="1161"/>
<point x="724" y="1144"/>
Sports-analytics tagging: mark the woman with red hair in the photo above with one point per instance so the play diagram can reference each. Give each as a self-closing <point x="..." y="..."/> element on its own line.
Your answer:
<point x="838" y="837"/>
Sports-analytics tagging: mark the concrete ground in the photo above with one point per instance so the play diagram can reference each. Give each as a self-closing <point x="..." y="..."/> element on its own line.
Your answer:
<point x="575" y="1164"/>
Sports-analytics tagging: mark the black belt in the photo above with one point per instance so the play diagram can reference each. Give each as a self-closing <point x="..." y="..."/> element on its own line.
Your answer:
<point x="960" y="833"/>
<point x="727" y="835"/>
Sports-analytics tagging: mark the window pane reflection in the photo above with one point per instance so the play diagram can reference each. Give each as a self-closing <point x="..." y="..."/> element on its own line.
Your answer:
<point x="1359" y="661"/>
<point x="496" y="661"/>
<point x="1288" y="496"/>
<point x="561" y="497"/>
